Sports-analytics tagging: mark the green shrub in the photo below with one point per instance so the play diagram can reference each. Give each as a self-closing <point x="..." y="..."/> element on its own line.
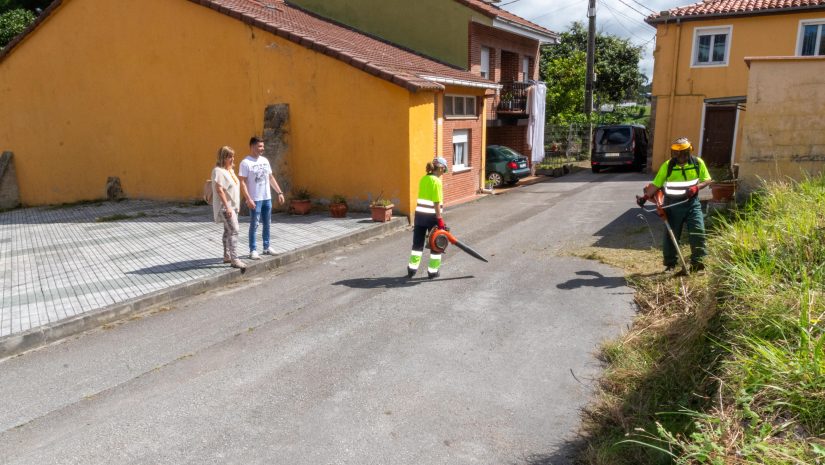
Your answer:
<point x="14" y="22"/>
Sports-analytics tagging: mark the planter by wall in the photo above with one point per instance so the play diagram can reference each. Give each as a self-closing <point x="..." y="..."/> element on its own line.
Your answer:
<point x="381" y="213"/>
<point x="299" y="207"/>
<point x="338" y="210"/>
<point x="723" y="191"/>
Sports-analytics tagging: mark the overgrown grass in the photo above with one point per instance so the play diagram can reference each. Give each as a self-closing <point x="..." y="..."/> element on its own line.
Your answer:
<point x="725" y="367"/>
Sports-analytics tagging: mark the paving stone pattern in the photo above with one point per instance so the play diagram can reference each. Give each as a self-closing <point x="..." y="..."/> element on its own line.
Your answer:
<point x="58" y="262"/>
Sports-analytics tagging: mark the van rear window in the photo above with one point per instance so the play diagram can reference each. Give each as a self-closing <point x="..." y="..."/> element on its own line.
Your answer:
<point x="613" y="136"/>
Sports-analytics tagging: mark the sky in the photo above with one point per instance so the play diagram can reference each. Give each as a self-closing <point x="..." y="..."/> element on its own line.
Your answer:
<point x="622" y="18"/>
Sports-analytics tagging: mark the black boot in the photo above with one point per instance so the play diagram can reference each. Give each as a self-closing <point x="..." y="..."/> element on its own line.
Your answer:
<point x="410" y="272"/>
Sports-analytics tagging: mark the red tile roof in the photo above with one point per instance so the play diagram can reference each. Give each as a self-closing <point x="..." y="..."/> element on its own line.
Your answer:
<point x="493" y="11"/>
<point x="734" y="7"/>
<point x="392" y="63"/>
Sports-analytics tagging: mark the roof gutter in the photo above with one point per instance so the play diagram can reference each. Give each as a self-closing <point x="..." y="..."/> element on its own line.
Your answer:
<point x="522" y="30"/>
<point x="667" y="17"/>
<point x="460" y="82"/>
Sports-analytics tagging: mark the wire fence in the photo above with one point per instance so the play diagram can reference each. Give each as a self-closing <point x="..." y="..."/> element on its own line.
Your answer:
<point x="566" y="143"/>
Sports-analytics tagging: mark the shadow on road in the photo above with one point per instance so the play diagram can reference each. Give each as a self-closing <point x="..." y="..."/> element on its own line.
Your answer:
<point x="597" y="280"/>
<point x="564" y="455"/>
<point x="184" y="265"/>
<point x="391" y="282"/>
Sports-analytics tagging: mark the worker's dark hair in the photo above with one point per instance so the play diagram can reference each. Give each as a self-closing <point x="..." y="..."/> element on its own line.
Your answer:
<point x="430" y="167"/>
<point x="255" y="140"/>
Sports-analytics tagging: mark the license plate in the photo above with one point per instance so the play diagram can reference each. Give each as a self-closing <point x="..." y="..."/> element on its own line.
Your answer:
<point x="522" y="165"/>
<point x="612" y="154"/>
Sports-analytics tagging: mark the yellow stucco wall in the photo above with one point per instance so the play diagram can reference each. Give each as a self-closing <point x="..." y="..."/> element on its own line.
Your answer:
<point x="784" y="127"/>
<point x="767" y="35"/>
<point x="148" y="90"/>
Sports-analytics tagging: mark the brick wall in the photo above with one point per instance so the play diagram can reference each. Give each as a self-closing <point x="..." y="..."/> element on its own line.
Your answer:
<point x="465" y="183"/>
<point x="497" y="40"/>
<point x="514" y="137"/>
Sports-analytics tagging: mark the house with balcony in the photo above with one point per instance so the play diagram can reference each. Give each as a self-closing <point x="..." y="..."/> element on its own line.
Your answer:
<point x="147" y="91"/>
<point x="472" y="35"/>
<point x="745" y="81"/>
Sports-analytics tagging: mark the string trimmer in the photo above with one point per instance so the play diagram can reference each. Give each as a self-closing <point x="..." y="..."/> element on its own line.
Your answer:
<point x="658" y="200"/>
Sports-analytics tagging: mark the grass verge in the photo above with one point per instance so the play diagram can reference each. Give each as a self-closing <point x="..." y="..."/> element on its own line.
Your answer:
<point x="727" y="366"/>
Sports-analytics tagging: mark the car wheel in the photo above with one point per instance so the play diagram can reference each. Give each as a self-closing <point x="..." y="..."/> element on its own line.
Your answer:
<point x="496" y="179"/>
<point x="595" y="169"/>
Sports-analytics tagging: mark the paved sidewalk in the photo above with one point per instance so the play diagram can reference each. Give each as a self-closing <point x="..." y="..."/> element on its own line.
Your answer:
<point x="59" y="263"/>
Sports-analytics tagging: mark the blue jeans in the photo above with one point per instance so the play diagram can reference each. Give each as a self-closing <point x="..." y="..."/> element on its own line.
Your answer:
<point x="263" y="210"/>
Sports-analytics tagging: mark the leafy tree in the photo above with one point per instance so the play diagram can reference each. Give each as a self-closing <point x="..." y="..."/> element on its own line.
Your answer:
<point x="13" y="22"/>
<point x="565" y="77"/>
<point x="8" y="5"/>
<point x="617" y="67"/>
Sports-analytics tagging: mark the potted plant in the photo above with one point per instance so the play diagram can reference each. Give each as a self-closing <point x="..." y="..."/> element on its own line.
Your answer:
<point x="507" y="101"/>
<point x="338" y="206"/>
<point x="299" y="202"/>
<point x="723" y="185"/>
<point x="489" y="186"/>
<point x="381" y="210"/>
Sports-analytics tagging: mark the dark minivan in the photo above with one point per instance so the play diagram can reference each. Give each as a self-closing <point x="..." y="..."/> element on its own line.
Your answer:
<point x="619" y="145"/>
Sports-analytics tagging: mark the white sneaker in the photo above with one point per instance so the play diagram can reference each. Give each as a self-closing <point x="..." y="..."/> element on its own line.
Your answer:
<point x="254" y="255"/>
<point x="269" y="251"/>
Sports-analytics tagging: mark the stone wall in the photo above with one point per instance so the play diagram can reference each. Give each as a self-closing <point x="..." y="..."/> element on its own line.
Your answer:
<point x="784" y="125"/>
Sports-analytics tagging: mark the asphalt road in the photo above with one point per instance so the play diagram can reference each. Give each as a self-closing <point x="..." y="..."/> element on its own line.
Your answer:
<point x="342" y="360"/>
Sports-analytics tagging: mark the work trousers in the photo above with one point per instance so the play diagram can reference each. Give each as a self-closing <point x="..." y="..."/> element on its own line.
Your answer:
<point x="419" y="237"/>
<point x="689" y="213"/>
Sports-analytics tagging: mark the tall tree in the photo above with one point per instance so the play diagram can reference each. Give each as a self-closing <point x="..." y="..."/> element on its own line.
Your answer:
<point x="16" y="15"/>
<point x="32" y="5"/>
<point x="617" y="63"/>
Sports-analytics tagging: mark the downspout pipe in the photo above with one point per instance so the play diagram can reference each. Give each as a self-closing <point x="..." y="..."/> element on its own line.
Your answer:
<point x="671" y="103"/>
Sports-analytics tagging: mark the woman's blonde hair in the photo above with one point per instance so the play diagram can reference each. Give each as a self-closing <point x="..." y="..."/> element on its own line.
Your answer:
<point x="224" y="153"/>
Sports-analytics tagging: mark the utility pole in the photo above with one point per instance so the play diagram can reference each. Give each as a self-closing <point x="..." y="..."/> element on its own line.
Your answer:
<point x="591" y="59"/>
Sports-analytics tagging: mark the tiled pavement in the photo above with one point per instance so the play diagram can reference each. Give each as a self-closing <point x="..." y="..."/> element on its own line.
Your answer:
<point x="59" y="262"/>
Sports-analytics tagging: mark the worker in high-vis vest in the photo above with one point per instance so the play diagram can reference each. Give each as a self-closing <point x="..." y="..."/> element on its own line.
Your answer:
<point x="681" y="178"/>
<point x="428" y="213"/>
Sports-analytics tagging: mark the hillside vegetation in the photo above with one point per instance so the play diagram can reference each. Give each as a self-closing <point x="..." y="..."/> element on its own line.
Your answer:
<point x="727" y="366"/>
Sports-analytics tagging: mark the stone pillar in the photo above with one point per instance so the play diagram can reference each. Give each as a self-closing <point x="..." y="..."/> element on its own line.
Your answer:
<point x="276" y="142"/>
<point x="9" y="191"/>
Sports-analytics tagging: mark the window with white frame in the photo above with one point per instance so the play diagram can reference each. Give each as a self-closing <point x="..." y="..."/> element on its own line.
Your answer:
<point x="485" y="62"/>
<point x="525" y="68"/>
<point x="711" y="46"/>
<point x="459" y="106"/>
<point x="461" y="149"/>
<point x="811" y="38"/>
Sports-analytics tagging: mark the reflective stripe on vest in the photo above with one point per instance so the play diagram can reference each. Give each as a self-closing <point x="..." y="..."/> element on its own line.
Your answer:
<point x="425" y="206"/>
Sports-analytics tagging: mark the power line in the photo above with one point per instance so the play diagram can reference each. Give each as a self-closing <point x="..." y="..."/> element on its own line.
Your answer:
<point x="619" y="22"/>
<point x="508" y="3"/>
<point x="632" y="8"/>
<point x="641" y="5"/>
<point x="554" y="11"/>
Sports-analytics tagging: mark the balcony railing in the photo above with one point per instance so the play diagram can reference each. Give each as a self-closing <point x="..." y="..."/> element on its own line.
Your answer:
<point x="511" y="100"/>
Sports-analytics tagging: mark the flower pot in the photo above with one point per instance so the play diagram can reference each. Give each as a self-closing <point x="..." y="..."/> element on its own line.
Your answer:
<point x="381" y="213"/>
<point x="300" y="207"/>
<point x="723" y="191"/>
<point x="338" y="210"/>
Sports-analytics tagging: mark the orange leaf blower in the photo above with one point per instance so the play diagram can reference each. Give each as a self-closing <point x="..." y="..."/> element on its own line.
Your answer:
<point x="441" y="238"/>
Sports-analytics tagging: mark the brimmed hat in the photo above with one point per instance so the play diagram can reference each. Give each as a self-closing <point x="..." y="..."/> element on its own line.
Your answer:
<point x="682" y="143"/>
<point x="440" y="161"/>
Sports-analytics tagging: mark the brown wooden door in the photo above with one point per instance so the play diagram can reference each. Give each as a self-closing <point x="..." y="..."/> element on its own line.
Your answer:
<point x="720" y="122"/>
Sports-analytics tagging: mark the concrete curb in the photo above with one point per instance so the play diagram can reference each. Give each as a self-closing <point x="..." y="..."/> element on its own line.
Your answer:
<point x="15" y="344"/>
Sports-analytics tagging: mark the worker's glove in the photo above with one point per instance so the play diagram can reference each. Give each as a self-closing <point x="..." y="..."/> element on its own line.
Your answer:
<point x="441" y="224"/>
<point x="640" y="200"/>
<point x="692" y="191"/>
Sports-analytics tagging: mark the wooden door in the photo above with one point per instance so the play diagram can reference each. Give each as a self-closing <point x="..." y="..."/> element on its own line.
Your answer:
<point x="717" y="144"/>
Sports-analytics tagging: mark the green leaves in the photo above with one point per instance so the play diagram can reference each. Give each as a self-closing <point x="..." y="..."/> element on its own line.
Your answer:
<point x="12" y="23"/>
<point x="563" y="67"/>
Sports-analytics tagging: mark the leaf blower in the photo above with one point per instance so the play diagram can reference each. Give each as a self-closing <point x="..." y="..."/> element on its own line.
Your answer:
<point x="441" y="238"/>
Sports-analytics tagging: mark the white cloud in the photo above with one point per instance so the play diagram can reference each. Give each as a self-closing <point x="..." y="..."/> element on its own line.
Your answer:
<point x="615" y="17"/>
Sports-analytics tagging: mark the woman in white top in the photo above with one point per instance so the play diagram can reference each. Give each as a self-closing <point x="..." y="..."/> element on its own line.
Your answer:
<point x="226" y="195"/>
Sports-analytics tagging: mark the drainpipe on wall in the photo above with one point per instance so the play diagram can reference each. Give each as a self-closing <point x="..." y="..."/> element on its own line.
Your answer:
<point x="671" y="102"/>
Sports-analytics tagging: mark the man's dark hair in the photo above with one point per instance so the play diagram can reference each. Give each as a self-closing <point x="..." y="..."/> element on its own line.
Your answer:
<point x="255" y="140"/>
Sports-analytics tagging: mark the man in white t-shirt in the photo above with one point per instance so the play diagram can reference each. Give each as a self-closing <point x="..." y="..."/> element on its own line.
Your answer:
<point x="256" y="178"/>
